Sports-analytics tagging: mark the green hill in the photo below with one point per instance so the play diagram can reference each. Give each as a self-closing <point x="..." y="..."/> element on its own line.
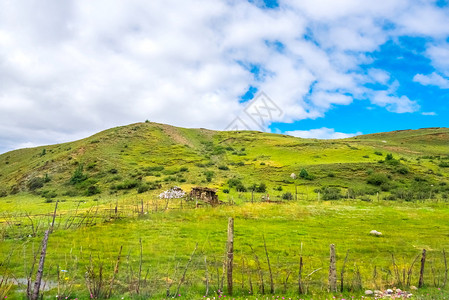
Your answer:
<point x="150" y="157"/>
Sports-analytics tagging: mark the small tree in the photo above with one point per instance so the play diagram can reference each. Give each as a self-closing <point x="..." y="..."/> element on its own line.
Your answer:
<point x="78" y="176"/>
<point x="304" y="174"/>
<point x="261" y="188"/>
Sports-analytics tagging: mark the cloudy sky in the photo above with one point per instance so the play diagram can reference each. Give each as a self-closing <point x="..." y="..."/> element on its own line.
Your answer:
<point x="332" y="68"/>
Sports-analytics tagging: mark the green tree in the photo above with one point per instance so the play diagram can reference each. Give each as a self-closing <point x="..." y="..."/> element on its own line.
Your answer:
<point x="78" y="176"/>
<point x="304" y="174"/>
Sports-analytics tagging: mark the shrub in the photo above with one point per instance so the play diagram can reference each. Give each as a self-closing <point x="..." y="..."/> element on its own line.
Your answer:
<point x="240" y="187"/>
<point x="126" y="185"/>
<point x="92" y="190"/>
<point x="444" y="164"/>
<point x="49" y="194"/>
<point x="3" y="193"/>
<point x="331" y="193"/>
<point x="378" y="153"/>
<point x="262" y="164"/>
<point x="403" y="170"/>
<point x="154" y="169"/>
<point x="261" y="188"/>
<point x="389" y="156"/>
<point x="113" y="171"/>
<point x="365" y="198"/>
<point x="223" y="167"/>
<point x="240" y="164"/>
<point x="287" y="196"/>
<point x="377" y="179"/>
<point x="278" y="188"/>
<point x="78" y="176"/>
<point x="303" y="174"/>
<point x="226" y="191"/>
<point x="209" y="175"/>
<point x="330" y="174"/>
<point x="47" y="178"/>
<point x="148" y="186"/>
<point x="36" y="183"/>
<point x="233" y="182"/>
<point x="183" y="169"/>
<point x="218" y="150"/>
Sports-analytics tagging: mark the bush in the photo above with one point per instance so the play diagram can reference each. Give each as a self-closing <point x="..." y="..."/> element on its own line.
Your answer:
<point x="36" y="183"/>
<point x="154" y="169"/>
<point x="303" y="174"/>
<point x="49" y="194"/>
<point x="183" y="169"/>
<point x="331" y="193"/>
<point x="223" y="167"/>
<point x="126" y="185"/>
<point x="444" y="164"/>
<point x="233" y="182"/>
<point x="240" y="187"/>
<point x="331" y="175"/>
<point x="92" y="190"/>
<point x="287" y="196"/>
<point x="226" y="191"/>
<point x="78" y="176"/>
<point x="262" y="164"/>
<point x="209" y="175"/>
<point x="261" y="188"/>
<point x="278" y="188"/>
<point x="403" y="170"/>
<point x="240" y="164"/>
<point x="3" y="193"/>
<point x="377" y="179"/>
<point x="148" y="186"/>
<point x="378" y="153"/>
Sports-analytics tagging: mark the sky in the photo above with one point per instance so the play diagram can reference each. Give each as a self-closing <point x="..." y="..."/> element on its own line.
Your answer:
<point x="309" y="68"/>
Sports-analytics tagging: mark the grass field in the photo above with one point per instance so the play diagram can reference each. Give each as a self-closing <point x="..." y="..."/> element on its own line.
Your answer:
<point x="107" y="188"/>
<point x="291" y="230"/>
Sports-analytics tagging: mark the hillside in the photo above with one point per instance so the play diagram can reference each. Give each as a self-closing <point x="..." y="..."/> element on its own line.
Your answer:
<point x="150" y="157"/>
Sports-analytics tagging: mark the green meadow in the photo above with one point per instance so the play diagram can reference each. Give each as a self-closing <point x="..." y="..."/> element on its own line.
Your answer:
<point x="106" y="188"/>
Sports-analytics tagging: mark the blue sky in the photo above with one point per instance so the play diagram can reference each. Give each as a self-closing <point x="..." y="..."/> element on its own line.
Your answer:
<point x="402" y="59"/>
<point x="329" y="69"/>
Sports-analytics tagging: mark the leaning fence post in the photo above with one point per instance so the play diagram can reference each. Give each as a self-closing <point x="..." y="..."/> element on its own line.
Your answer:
<point x="230" y="251"/>
<point x="421" y="272"/>
<point x="40" y="270"/>
<point x="332" y="270"/>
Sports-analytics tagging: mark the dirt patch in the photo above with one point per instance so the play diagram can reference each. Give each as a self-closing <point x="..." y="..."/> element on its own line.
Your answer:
<point x="176" y="136"/>
<point x="399" y="149"/>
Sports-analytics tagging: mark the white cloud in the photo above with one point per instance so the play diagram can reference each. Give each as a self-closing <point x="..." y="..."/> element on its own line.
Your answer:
<point x="393" y="103"/>
<point x="74" y="67"/>
<point x="432" y="79"/>
<point x="431" y="113"/>
<point x="321" y="133"/>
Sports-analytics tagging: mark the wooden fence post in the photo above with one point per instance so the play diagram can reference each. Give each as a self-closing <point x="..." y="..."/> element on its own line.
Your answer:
<point x="421" y="272"/>
<point x="230" y="251"/>
<point x="40" y="270"/>
<point x="332" y="270"/>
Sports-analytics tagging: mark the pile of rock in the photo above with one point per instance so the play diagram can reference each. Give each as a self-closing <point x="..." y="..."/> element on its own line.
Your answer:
<point x="375" y="233"/>
<point x="393" y="293"/>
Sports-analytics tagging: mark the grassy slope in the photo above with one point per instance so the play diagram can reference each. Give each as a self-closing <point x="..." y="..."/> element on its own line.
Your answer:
<point x="123" y="155"/>
<point x="168" y="238"/>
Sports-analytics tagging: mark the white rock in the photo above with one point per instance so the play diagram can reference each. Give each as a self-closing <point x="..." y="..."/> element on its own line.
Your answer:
<point x="375" y="232"/>
<point x="369" y="292"/>
<point x="413" y="287"/>
<point x="389" y="291"/>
